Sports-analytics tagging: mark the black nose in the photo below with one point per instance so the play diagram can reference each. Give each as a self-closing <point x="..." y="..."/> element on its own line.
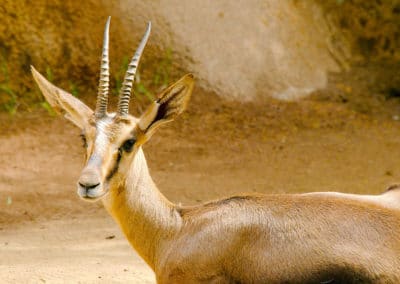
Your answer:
<point x="89" y="186"/>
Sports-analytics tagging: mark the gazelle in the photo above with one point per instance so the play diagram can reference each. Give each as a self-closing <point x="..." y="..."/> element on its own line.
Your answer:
<point x="298" y="238"/>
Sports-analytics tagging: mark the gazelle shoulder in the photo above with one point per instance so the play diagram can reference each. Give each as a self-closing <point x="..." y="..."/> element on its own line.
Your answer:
<point x="236" y="200"/>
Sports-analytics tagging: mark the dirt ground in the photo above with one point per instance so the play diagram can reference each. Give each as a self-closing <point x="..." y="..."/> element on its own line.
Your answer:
<point x="341" y="139"/>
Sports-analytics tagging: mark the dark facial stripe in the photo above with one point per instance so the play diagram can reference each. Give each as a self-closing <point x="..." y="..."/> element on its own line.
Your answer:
<point x="115" y="168"/>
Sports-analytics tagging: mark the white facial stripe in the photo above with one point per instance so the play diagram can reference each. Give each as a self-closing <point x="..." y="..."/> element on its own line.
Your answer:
<point x="95" y="160"/>
<point x="110" y="135"/>
<point x="103" y="129"/>
<point x="102" y="139"/>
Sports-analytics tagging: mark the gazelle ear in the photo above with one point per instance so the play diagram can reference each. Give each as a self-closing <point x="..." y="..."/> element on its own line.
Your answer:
<point x="63" y="102"/>
<point x="171" y="103"/>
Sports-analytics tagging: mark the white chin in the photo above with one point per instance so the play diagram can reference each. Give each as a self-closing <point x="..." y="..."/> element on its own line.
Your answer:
<point x="91" y="194"/>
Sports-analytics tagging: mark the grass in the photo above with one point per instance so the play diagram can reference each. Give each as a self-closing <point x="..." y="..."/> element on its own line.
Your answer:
<point x="10" y="103"/>
<point x="49" y="74"/>
<point x="162" y="76"/>
<point x="48" y="108"/>
<point x="158" y="76"/>
<point x="144" y="90"/>
<point x="73" y="88"/>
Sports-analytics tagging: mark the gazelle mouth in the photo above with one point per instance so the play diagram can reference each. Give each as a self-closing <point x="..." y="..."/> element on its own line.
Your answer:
<point x="91" y="193"/>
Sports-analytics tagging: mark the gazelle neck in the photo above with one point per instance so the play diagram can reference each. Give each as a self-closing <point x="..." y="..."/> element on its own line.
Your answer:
<point x="146" y="217"/>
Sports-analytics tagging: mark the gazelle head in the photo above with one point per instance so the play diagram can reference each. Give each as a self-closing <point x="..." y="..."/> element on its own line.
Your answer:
<point x="112" y="139"/>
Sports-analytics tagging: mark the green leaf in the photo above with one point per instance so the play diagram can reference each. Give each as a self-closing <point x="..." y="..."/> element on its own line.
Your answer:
<point x="47" y="107"/>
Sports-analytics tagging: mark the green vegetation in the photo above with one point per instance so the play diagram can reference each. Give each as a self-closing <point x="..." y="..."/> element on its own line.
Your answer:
<point x="11" y="104"/>
<point x="49" y="74"/>
<point x="9" y="98"/>
<point x="157" y="76"/>
<point x="162" y="75"/>
<point x="144" y="90"/>
<point x="73" y="89"/>
<point x="140" y="88"/>
<point x="48" y="108"/>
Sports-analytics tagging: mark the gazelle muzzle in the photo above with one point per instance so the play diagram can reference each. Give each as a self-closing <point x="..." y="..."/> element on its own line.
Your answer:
<point x="90" y="185"/>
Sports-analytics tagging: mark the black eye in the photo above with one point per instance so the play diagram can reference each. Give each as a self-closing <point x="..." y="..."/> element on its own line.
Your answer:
<point x="128" y="145"/>
<point x="83" y="137"/>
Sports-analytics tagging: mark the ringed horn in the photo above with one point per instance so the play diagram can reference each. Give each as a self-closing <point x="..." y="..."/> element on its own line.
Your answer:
<point x="126" y="89"/>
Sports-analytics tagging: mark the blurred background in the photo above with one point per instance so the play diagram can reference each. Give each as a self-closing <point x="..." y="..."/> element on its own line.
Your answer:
<point x="239" y="50"/>
<point x="291" y="96"/>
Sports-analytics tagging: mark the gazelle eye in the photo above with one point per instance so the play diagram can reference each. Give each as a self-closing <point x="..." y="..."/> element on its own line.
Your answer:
<point x="83" y="137"/>
<point x="128" y="145"/>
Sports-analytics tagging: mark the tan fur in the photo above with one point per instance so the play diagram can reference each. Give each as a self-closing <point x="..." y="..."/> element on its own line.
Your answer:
<point x="301" y="238"/>
<point x="257" y="238"/>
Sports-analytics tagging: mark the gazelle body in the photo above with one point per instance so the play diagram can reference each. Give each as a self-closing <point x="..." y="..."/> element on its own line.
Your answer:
<point x="300" y="238"/>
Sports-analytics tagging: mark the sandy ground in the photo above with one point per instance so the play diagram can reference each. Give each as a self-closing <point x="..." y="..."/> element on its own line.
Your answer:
<point x="218" y="148"/>
<point x="65" y="251"/>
